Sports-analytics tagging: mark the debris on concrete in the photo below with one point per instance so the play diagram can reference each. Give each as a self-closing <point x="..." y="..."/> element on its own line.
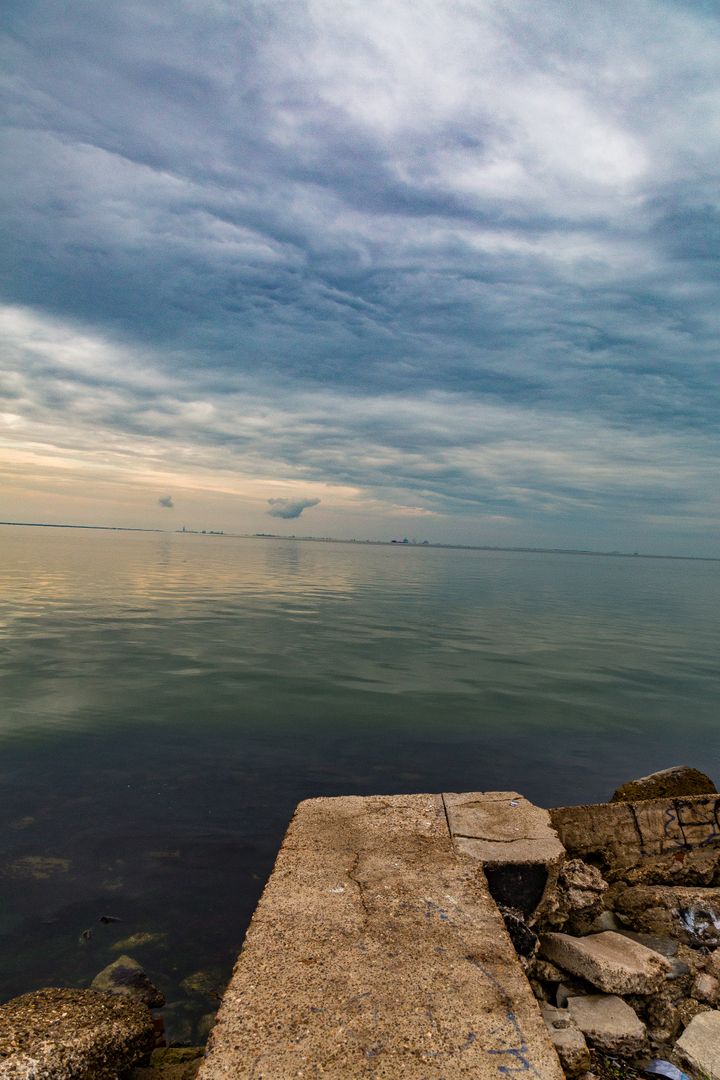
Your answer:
<point x="64" y="1034"/>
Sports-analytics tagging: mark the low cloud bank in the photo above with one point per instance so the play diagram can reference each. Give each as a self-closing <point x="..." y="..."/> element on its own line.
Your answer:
<point x="290" y="508"/>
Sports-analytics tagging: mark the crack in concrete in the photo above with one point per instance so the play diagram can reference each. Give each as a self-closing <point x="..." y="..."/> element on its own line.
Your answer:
<point x="352" y="875"/>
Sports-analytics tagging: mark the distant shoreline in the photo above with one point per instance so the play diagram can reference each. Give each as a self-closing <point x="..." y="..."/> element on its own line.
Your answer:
<point x="366" y="543"/>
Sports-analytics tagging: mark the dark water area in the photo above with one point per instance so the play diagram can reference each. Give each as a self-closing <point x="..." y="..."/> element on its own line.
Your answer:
<point x="167" y="700"/>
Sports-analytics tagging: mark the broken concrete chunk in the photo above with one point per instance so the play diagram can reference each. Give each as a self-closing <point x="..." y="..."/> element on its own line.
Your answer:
<point x="699" y="1044"/>
<point x="609" y="961"/>
<point x="666" y="784"/>
<point x="126" y="978"/>
<point x="691" y="914"/>
<point x="609" y="1023"/>
<point x="568" y="1040"/>
<point x="72" y="1035"/>
<point x="657" y="837"/>
<point x="556" y="1018"/>
<point x="515" y="842"/>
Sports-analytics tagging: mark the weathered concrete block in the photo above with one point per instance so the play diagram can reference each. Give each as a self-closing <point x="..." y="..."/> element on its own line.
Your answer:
<point x="692" y="915"/>
<point x="609" y="1023"/>
<point x="629" y="834"/>
<point x="513" y="840"/>
<point x="680" y="781"/>
<point x="72" y="1035"/>
<point x="376" y="951"/>
<point x="699" y="1044"/>
<point x="609" y="961"/>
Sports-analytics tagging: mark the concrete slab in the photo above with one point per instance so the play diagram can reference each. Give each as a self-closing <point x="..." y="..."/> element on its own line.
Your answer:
<point x="515" y="842"/>
<point x="377" y="952"/>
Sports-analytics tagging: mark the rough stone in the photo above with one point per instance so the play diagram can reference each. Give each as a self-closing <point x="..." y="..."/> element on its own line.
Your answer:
<point x="126" y="978"/>
<point x="172" y="1063"/>
<point x="377" y="950"/>
<point x="609" y="1024"/>
<point x="580" y="891"/>
<point x="515" y="842"/>
<point x="568" y="1040"/>
<point x="706" y="988"/>
<point x="606" y="920"/>
<point x="663" y="1018"/>
<point x="689" y="1009"/>
<point x="63" y="1034"/>
<point x="713" y="963"/>
<point x="609" y="961"/>
<point x="699" y="1044"/>
<point x="681" y="780"/>
<point x="546" y="972"/>
<point x="691" y="914"/>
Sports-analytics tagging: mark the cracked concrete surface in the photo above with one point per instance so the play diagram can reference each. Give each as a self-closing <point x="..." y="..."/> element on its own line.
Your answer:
<point x="376" y="951"/>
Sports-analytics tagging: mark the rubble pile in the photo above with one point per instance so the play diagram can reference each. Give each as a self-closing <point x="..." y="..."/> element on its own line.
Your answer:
<point x="627" y="960"/>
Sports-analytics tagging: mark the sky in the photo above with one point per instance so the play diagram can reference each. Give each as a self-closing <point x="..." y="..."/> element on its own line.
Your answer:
<point x="444" y="269"/>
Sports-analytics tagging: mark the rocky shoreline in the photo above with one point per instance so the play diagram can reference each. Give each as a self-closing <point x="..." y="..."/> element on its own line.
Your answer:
<point x="625" y="960"/>
<point x="618" y="935"/>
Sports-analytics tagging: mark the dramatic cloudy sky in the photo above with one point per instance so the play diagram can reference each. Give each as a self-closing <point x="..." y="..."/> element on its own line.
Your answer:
<point x="447" y="266"/>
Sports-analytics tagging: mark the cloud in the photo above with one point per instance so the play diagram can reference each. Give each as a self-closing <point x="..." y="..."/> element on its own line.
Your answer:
<point x="167" y="502"/>
<point x="457" y="257"/>
<point x="290" y="508"/>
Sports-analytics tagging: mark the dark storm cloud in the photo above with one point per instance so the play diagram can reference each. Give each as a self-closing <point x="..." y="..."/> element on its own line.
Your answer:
<point x="167" y="502"/>
<point x="290" y="508"/>
<point x="460" y="253"/>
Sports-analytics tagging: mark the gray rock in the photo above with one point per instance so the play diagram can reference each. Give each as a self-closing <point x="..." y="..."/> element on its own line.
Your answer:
<point x="57" y="1034"/>
<point x="609" y="1023"/>
<point x="699" y="1044"/>
<point x="609" y="961"/>
<point x="126" y="978"/>
<point x="668" y="783"/>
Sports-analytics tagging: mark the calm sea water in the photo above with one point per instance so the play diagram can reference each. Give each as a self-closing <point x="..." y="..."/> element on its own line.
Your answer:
<point x="167" y="700"/>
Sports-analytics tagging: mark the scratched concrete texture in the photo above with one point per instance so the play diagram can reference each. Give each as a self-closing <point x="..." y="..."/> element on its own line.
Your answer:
<point x="377" y="952"/>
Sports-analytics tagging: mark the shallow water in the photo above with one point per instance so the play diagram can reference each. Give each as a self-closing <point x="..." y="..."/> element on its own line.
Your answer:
<point x="168" y="699"/>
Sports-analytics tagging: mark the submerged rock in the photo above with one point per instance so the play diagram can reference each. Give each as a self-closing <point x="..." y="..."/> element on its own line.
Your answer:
<point x="57" y="1034"/>
<point x="126" y="978"/>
